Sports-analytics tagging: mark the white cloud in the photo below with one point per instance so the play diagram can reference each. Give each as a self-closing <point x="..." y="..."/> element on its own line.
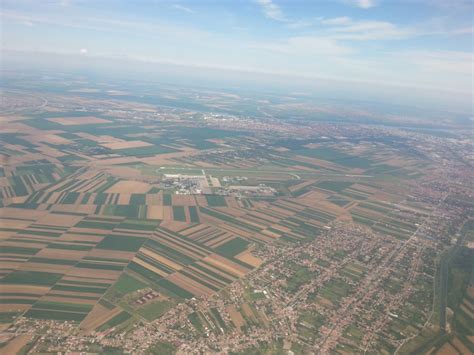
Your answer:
<point x="271" y="10"/>
<point x="19" y="19"/>
<point x="299" y="24"/>
<point x="345" y="28"/>
<point x="27" y="23"/>
<point x="337" y="21"/>
<point x="83" y="51"/>
<point x="303" y="46"/>
<point x="363" y="4"/>
<point x="183" y="8"/>
<point x="110" y="25"/>
<point x="462" y="31"/>
<point x="372" y="30"/>
<point x="448" y="62"/>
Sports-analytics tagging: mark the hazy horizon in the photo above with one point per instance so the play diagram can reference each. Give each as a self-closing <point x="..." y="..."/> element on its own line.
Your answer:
<point x="415" y="53"/>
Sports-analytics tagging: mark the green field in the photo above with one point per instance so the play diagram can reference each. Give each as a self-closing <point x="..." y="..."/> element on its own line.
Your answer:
<point x="336" y="186"/>
<point x="31" y="278"/>
<point x="193" y="214"/>
<point x="179" y="214"/>
<point x="126" y="284"/>
<point x="115" y="321"/>
<point x="161" y="348"/>
<point x="167" y="200"/>
<point x="155" y="309"/>
<point x="336" y="156"/>
<point x="233" y="247"/>
<point x="55" y="315"/>
<point x="121" y="242"/>
<point x="65" y="307"/>
<point x="216" y="201"/>
<point x="174" y="290"/>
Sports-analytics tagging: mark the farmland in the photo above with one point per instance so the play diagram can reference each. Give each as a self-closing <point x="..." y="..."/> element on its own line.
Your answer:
<point x="120" y="217"/>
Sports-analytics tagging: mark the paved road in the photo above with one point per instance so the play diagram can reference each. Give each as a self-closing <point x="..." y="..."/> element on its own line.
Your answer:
<point x="443" y="294"/>
<point x="293" y="173"/>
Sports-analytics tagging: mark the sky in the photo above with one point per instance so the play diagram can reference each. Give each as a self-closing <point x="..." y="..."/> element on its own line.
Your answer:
<point x="408" y="49"/>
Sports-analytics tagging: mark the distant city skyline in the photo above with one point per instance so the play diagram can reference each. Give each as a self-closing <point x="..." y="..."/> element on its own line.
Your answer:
<point x="409" y="45"/>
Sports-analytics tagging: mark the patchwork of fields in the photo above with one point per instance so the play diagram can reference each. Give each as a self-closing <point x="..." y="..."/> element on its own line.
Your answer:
<point x="90" y="235"/>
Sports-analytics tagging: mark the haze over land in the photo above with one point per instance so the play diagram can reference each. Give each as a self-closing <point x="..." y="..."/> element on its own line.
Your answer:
<point x="416" y="52"/>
